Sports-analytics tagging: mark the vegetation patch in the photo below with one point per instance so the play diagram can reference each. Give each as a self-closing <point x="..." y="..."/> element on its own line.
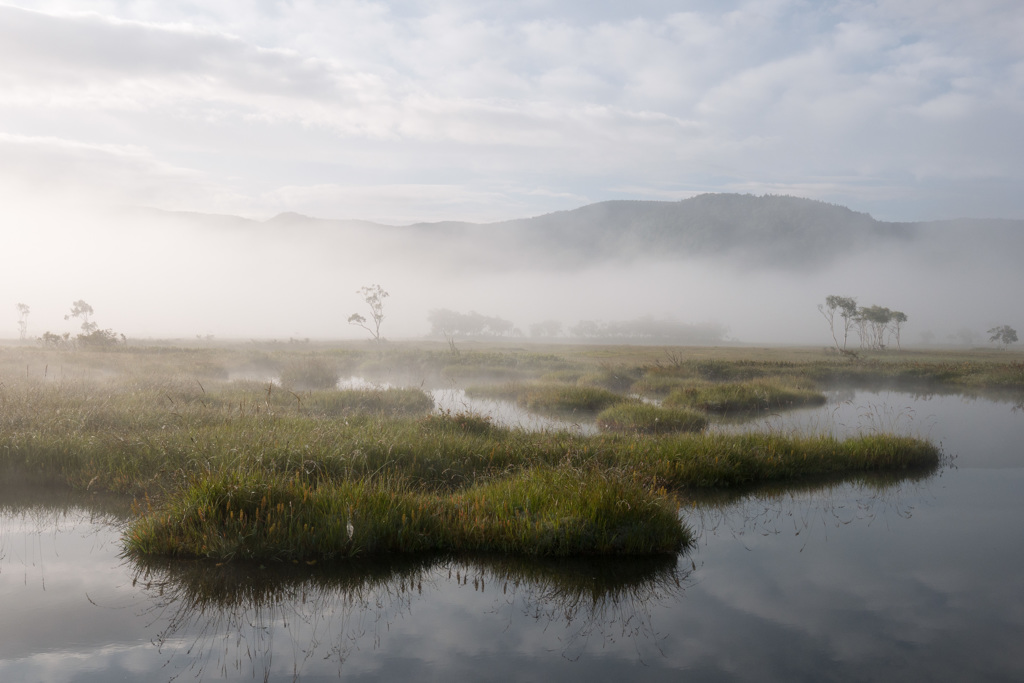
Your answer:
<point x="616" y="379"/>
<point x="310" y="372"/>
<point x="460" y="422"/>
<point x="720" y="461"/>
<point x="550" y="397"/>
<point x="743" y="397"/>
<point x="542" y="512"/>
<point x="648" y="418"/>
<point x="217" y="464"/>
<point x="565" y="511"/>
<point x="387" y="401"/>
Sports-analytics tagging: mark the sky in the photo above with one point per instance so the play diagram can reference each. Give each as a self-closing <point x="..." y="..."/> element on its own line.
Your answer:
<point x="416" y="111"/>
<point x="401" y="112"/>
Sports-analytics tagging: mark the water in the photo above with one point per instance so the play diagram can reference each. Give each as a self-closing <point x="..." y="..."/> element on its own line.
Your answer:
<point x="917" y="580"/>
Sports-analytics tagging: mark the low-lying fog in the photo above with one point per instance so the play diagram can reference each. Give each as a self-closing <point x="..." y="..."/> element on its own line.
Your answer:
<point x="150" y="275"/>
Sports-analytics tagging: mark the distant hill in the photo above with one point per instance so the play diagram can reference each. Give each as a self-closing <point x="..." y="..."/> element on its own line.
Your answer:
<point x="776" y="230"/>
<point x="760" y="231"/>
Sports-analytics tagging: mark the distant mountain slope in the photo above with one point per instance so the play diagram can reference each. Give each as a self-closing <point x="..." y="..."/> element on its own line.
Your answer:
<point x="770" y="231"/>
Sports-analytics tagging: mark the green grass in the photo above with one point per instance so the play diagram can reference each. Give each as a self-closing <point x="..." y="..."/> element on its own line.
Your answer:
<point x="310" y="372"/>
<point x="553" y="398"/>
<point x="542" y="511"/>
<point x="719" y="461"/>
<point x="742" y="397"/>
<point x="647" y="418"/>
<point x="233" y="469"/>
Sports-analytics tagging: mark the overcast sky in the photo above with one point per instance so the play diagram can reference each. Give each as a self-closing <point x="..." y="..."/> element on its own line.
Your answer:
<point x="485" y="110"/>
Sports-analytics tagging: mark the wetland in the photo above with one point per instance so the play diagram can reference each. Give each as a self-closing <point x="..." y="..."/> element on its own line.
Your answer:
<point x="473" y="535"/>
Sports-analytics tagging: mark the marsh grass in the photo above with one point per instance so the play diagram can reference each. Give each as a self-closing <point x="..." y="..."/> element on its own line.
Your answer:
<point x="613" y="378"/>
<point x="721" y="461"/>
<point x="310" y="372"/>
<point x="461" y="422"/>
<point x="551" y="398"/>
<point x="658" y="385"/>
<point x="743" y="397"/>
<point x="542" y="511"/>
<point x="647" y="418"/>
<point x="329" y="403"/>
<point x="234" y="469"/>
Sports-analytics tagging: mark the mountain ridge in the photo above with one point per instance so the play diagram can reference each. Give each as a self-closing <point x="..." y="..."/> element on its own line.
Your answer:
<point x="779" y="231"/>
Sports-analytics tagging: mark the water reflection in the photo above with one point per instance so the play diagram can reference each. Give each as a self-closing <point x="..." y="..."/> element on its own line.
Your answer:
<point x="258" y="620"/>
<point x="857" y="580"/>
<point x="812" y="509"/>
<point x="509" y="413"/>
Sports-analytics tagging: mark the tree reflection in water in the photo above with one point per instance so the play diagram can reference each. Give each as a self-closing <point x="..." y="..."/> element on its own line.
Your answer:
<point x="222" y="619"/>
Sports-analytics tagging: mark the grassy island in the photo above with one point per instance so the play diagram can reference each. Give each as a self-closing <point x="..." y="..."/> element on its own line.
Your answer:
<point x="227" y="465"/>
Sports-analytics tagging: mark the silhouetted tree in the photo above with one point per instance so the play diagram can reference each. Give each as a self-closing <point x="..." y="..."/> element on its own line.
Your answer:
<point x="82" y="311"/>
<point x="1004" y="334"/>
<point x="23" y="312"/>
<point x="374" y="296"/>
<point x="898" y="318"/>
<point x="846" y="307"/>
<point x="873" y="323"/>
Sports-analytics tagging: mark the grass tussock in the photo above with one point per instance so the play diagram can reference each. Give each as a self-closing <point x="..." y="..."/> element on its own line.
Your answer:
<point x="540" y="512"/>
<point x="646" y="418"/>
<point x="719" y="461"/>
<point x="553" y="398"/>
<point x="310" y="372"/>
<point x="447" y="422"/>
<point x="743" y="397"/>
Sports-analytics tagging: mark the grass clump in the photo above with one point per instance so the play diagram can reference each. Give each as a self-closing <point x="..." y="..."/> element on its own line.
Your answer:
<point x="556" y="398"/>
<point x="647" y="418"/>
<point x="743" y="397"/>
<point x="550" y="397"/>
<point x="618" y="380"/>
<point x="460" y="422"/>
<point x="720" y="461"/>
<point x="539" y="512"/>
<point x="263" y="516"/>
<point x="310" y="372"/>
<point x="387" y="401"/>
<point x="565" y="511"/>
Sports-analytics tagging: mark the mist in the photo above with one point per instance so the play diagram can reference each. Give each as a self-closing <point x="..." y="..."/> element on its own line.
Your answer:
<point x="161" y="275"/>
<point x="161" y="161"/>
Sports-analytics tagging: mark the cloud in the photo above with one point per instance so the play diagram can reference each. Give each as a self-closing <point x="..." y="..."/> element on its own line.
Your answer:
<point x="44" y="169"/>
<point x="256" y="100"/>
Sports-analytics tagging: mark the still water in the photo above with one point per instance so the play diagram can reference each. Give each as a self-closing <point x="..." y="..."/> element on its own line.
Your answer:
<point x="911" y="580"/>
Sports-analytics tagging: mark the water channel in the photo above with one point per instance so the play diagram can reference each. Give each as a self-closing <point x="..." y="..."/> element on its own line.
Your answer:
<point x="913" y="579"/>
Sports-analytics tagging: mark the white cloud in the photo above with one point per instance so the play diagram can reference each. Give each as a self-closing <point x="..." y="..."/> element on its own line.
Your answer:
<point x="254" y="100"/>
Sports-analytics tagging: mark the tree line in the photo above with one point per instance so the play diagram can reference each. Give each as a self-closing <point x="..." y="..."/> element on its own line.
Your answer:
<point x="876" y="326"/>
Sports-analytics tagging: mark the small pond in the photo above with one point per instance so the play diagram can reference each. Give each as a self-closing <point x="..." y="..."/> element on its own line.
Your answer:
<point x="915" y="579"/>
